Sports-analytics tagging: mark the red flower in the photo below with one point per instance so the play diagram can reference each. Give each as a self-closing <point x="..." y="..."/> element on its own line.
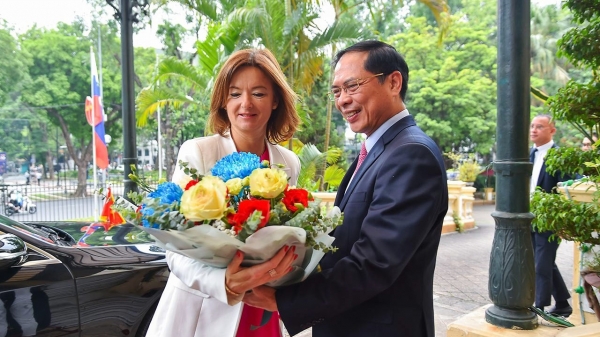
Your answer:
<point x="190" y="184"/>
<point x="295" y="196"/>
<point x="245" y="209"/>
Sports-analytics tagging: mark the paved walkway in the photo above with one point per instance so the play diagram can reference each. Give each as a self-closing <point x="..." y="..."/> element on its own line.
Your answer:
<point x="461" y="275"/>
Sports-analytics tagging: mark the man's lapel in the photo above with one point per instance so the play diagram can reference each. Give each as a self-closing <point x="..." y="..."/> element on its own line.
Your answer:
<point x="543" y="172"/>
<point x="344" y="184"/>
<point x="371" y="157"/>
<point x="375" y="152"/>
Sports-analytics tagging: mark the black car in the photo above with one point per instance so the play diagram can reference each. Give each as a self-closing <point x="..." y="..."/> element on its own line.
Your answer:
<point x="63" y="279"/>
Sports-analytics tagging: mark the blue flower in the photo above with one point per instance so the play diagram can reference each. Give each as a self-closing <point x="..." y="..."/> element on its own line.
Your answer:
<point x="236" y="165"/>
<point x="147" y="212"/>
<point x="167" y="192"/>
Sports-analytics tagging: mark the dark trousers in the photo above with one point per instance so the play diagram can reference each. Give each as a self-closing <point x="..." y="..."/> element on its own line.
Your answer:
<point x="548" y="280"/>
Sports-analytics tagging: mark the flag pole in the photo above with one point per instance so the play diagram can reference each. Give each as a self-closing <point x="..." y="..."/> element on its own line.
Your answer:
<point x="92" y="64"/>
<point x="101" y="92"/>
<point x="159" y="135"/>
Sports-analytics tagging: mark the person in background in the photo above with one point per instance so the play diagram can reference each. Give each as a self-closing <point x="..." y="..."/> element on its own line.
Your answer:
<point x="548" y="281"/>
<point x="586" y="143"/>
<point x="16" y="199"/>
<point x="38" y="174"/>
<point x="252" y="109"/>
<point x="380" y="280"/>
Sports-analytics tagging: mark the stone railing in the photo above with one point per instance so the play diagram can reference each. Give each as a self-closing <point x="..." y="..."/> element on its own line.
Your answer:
<point x="460" y="202"/>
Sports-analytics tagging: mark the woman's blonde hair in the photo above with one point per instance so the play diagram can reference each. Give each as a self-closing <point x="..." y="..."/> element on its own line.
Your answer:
<point x="284" y="119"/>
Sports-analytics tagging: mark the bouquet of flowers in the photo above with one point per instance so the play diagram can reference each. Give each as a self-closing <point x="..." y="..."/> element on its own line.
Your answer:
<point x="245" y="205"/>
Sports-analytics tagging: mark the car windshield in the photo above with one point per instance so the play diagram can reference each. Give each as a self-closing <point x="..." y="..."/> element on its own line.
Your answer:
<point x="80" y="234"/>
<point x="41" y="235"/>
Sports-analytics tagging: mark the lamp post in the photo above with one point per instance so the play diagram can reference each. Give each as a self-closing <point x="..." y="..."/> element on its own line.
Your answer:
<point x="127" y="13"/>
<point x="511" y="281"/>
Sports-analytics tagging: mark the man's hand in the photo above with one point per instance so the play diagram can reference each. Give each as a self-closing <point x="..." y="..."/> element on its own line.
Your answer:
<point x="262" y="297"/>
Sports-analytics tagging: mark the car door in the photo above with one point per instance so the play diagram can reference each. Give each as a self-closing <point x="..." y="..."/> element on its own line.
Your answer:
<point x="38" y="297"/>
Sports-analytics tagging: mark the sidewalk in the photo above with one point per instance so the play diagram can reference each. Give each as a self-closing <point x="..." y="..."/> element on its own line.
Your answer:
<point x="461" y="274"/>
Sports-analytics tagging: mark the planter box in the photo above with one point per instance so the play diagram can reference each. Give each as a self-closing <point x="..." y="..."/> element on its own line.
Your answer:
<point x="582" y="193"/>
<point x="460" y="202"/>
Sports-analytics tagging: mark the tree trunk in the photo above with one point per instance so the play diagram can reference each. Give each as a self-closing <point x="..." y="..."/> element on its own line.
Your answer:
<point x="169" y="139"/>
<point x="81" y="162"/>
<point x="81" y="190"/>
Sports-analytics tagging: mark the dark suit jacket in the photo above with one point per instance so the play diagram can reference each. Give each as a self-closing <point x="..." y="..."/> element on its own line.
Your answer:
<point x="380" y="280"/>
<point x="548" y="181"/>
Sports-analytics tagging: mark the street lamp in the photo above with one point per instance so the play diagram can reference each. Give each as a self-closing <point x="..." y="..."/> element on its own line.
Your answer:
<point x="127" y="13"/>
<point x="511" y="281"/>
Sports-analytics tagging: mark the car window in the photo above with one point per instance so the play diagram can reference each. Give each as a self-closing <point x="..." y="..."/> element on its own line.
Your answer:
<point x="40" y="235"/>
<point x="99" y="234"/>
<point x="80" y="234"/>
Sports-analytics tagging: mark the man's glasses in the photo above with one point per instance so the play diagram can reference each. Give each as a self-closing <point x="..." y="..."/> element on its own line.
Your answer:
<point x="537" y="127"/>
<point x="349" y="87"/>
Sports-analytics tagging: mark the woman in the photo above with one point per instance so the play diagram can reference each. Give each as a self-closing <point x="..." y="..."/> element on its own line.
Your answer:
<point x="252" y="109"/>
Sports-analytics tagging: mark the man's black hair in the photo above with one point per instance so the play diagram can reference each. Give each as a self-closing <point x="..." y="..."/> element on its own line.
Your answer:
<point x="382" y="58"/>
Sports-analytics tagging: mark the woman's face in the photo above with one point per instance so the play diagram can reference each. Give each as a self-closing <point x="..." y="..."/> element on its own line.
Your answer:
<point x="250" y="101"/>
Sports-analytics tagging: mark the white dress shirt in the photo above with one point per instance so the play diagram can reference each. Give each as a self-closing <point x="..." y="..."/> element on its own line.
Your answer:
<point x="537" y="164"/>
<point x="371" y="140"/>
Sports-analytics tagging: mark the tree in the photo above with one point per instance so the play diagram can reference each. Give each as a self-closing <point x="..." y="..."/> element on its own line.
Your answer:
<point x="452" y="86"/>
<point x="547" y="25"/>
<point x="60" y="81"/>
<point x="281" y="29"/>
<point x="13" y="62"/>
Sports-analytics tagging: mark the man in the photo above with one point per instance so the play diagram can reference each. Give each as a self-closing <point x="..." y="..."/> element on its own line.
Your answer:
<point x="548" y="281"/>
<point x="586" y="144"/>
<point x="380" y="280"/>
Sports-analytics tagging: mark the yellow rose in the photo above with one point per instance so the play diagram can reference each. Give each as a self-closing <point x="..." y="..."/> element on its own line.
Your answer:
<point x="234" y="186"/>
<point x="267" y="183"/>
<point x="206" y="200"/>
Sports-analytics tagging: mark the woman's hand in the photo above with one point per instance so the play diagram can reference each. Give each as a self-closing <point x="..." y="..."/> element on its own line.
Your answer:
<point x="238" y="279"/>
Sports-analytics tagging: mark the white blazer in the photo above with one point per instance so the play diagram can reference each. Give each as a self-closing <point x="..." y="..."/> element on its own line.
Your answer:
<point x="194" y="302"/>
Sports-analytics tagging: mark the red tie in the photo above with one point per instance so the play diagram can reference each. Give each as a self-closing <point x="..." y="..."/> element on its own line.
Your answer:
<point x="361" y="156"/>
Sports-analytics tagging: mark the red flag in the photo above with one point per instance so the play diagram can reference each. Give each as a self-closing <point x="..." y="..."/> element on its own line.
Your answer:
<point x="94" y="104"/>
<point x="108" y="215"/>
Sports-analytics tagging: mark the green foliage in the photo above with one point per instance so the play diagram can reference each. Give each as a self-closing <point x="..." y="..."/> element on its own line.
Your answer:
<point x="460" y="226"/>
<point x="570" y="220"/>
<point x="311" y="162"/>
<point x="13" y="64"/>
<point x="578" y="104"/>
<point x="452" y="90"/>
<point x="484" y="181"/>
<point x="571" y="161"/>
<point x="579" y="44"/>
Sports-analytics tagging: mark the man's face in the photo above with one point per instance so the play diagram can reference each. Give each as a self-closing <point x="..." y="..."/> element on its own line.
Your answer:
<point x="368" y="106"/>
<point x="541" y="130"/>
<point x="586" y="144"/>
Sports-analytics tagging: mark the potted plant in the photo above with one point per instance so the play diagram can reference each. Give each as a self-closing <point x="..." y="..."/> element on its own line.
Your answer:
<point x="468" y="170"/>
